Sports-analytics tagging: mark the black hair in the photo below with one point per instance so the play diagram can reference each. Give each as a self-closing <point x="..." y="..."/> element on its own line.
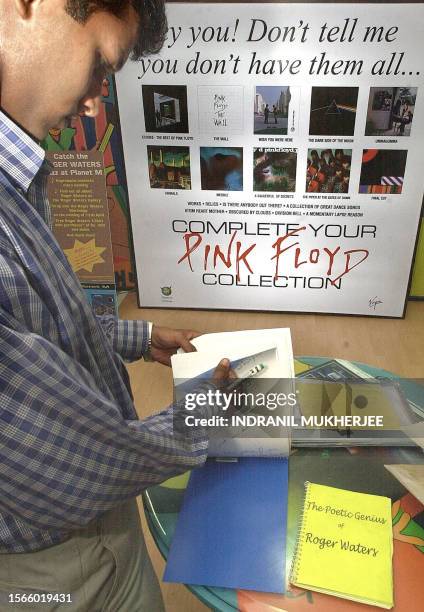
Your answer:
<point x="153" y="24"/>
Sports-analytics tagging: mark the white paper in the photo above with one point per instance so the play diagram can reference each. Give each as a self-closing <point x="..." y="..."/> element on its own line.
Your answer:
<point x="272" y="349"/>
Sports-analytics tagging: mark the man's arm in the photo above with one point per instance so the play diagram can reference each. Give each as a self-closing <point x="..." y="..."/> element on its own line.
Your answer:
<point x="66" y="453"/>
<point x="130" y="339"/>
<point x="134" y="339"/>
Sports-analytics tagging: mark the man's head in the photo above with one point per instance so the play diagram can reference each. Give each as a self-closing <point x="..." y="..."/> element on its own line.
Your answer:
<point x="150" y="15"/>
<point x="54" y="54"/>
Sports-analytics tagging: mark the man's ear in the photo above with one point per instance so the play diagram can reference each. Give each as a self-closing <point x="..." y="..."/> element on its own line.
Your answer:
<point x="25" y="8"/>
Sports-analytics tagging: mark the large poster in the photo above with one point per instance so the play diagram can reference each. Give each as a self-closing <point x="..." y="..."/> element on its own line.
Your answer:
<point x="274" y="157"/>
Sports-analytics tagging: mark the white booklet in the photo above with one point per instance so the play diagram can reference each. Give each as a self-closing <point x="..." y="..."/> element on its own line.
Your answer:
<point x="263" y="360"/>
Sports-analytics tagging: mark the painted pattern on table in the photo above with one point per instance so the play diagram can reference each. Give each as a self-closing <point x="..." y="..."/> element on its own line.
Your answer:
<point x="407" y="519"/>
<point x="358" y="469"/>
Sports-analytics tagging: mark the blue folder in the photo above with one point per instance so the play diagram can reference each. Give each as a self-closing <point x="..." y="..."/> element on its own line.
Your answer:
<point x="231" y="530"/>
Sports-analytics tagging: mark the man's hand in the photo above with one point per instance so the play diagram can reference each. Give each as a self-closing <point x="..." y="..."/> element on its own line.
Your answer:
<point x="223" y="373"/>
<point x="166" y="342"/>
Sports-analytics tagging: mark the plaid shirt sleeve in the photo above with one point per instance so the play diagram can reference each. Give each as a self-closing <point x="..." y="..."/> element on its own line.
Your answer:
<point x="129" y="339"/>
<point x="66" y="453"/>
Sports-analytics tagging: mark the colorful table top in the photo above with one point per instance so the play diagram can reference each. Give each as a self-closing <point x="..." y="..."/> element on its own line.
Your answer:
<point x="358" y="469"/>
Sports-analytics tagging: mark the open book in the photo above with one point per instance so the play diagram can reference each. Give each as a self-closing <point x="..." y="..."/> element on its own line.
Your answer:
<point x="263" y="362"/>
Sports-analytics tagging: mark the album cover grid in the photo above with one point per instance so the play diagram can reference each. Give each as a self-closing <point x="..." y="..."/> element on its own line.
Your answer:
<point x="275" y="109"/>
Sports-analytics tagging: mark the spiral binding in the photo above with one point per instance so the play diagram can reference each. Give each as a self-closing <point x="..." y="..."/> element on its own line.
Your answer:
<point x="298" y="545"/>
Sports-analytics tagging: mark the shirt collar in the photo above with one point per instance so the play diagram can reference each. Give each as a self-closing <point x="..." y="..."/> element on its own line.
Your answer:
<point x="20" y="156"/>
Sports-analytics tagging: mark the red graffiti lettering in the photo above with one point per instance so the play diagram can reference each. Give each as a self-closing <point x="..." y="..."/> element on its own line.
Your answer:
<point x="348" y="267"/>
<point x="193" y="240"/>
<point x="190" y="249"/>
<point x="279" y="251"/>
<point x="331" y="255"/>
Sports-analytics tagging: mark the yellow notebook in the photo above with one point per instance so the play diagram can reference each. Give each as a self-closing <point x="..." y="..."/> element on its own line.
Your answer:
<point x="345" y="545"/>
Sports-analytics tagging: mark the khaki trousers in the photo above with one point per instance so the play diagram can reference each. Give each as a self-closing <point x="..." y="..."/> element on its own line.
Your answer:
<point x="105" y="567"/>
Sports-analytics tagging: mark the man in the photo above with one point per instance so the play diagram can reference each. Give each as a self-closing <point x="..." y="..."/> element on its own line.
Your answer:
<point x="73" y="455"/>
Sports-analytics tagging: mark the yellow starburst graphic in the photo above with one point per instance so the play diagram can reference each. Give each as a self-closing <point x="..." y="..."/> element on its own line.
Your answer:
<point x="84" y="255"/>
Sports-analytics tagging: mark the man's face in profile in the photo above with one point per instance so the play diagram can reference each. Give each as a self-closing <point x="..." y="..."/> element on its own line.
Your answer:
<point x="61" y="64"/>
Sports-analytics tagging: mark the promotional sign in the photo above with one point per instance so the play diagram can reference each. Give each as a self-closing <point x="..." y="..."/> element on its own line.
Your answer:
<point x="89" y="136"/>
<point x="274" y="157"/>
<point x="80" y="218"/>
